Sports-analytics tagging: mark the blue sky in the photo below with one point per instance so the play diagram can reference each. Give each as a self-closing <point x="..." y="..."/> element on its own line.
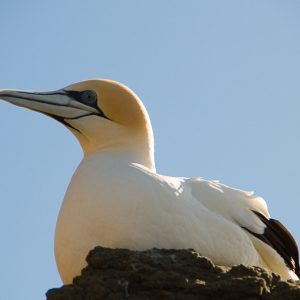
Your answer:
<point x="220" y="80"/>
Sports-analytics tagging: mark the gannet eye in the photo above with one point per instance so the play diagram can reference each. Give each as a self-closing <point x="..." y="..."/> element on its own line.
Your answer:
<point x="88" y="97"/>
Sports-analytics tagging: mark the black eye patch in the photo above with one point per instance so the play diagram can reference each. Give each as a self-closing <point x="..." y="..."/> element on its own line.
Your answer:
<point x="87" y="97"/>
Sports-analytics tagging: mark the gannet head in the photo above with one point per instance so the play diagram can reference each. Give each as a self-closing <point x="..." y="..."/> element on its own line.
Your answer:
<point x="104" y="115"/>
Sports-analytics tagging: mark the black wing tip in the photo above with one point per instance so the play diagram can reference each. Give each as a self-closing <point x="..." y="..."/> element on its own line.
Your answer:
<point x="277" y="236"/>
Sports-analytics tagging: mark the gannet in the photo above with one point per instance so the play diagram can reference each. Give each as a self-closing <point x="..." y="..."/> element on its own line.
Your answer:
<point x="117" y="199"/>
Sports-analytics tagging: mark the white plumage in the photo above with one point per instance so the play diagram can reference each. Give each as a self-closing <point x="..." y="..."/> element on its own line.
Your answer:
<point x="116" y="198"/>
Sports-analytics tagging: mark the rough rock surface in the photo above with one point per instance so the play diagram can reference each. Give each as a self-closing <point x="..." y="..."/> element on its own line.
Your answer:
<point x="170" y="274"/>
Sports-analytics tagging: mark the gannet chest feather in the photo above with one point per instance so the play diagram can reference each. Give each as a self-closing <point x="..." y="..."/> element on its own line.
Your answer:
<point x="116" y="198"/>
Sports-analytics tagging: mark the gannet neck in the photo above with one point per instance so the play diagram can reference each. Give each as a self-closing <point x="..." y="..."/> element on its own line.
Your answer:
<point x="128" y="151"/>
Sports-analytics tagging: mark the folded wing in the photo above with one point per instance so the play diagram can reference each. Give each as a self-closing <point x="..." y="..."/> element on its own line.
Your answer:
<point x="250" y="213"/>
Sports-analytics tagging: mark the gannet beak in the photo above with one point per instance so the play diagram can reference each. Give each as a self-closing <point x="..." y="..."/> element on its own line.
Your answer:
<point x="61" y="105"/>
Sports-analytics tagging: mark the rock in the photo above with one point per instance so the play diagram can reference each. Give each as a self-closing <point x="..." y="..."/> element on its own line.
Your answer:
<point x="170" y="274"/>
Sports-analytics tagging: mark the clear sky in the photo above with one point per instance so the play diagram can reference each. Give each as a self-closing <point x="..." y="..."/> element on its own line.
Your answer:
<point x="220" y="80"/>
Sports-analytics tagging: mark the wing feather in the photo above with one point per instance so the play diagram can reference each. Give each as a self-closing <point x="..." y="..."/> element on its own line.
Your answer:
<point x="279" y="238"/>
<point x="250" y="213"/>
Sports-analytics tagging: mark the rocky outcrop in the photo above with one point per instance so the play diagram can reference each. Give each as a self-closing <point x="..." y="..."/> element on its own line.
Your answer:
<point x="170" y="274"/>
